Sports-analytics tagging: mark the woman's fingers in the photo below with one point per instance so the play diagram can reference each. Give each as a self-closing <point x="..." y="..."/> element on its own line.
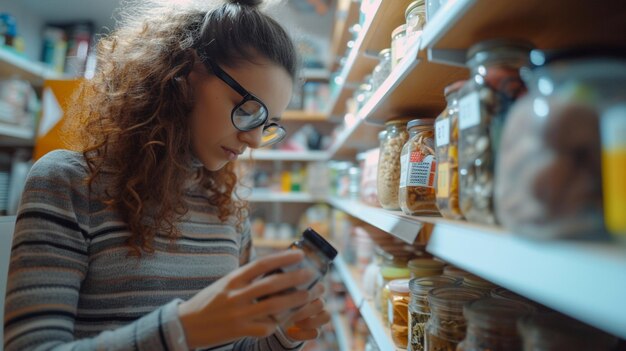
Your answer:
<point x="273" y="284"/>
<point x="314" y="322"/>
<point x="308" y="311"/>
<point x="278" y="304"/>
<point x="267" y="264"/>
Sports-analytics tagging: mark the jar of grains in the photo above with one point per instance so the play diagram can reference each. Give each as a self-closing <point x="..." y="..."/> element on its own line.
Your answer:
<point x="388" y="179"/>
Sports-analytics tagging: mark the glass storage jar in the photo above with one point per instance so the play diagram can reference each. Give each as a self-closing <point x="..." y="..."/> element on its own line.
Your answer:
<point x="382" y="69"/>
<point x="425" y="267"/>
<point x="478" y="283"/>
<point x="447" y="153"/>
<point x="419" y="310"/>
<point x="388" y="178"/>
<point x="415" y="16"/>
<point x="398" y="45"/>
<point x="554" y="332"/>
<point x="398" y="311"/>
<point x="389" y="273"/>
<point x="418" y="170"/>
<point x="455" y="272"/>
<point x="446" y="326"/>
<point x="549" y="176"/>
<point x="484" y="102"/>
<point x="491" y="325"/>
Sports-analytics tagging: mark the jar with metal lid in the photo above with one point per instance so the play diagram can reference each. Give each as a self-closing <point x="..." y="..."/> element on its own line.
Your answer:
<point x="415" y="16"/>
<point x="554" y="332"/>
<point x="425" y="267"/>
<point x="491" y="325"/>
<point x="418" y="170"/>
<point x="398" y="311"/>
<point x="446" y="326"/>
<point x="382" y="69"/>
<point x="447" y="153"/>
<point x="398" y="45"/>
<point x="388" y="178"/>
<point x="362" y="94"/>
<point x="419" y="310"/>
<point x="484" y="102"/>
<point x="478" y="283"/>
<point x="455" y="272"/>
<point x="318" y="255"/>
<point x="388" y="273"/>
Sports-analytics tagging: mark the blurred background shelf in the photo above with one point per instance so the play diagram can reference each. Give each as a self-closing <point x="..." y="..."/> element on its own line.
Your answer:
<point x="16" y="132"/>
<point x="280" y="155"/>
<point x="304" y="116"/>
<point x="265" y="195"/>
<point x="14" y="64"/>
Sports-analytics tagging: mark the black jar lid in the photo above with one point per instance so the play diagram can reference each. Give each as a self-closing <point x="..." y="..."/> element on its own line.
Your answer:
<point x="321" y="243"/>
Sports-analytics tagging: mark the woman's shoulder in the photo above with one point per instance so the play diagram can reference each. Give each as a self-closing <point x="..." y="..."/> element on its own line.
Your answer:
<point x="61" y="164"/>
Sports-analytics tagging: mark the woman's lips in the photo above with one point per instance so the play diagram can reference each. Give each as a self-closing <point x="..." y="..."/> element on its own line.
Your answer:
<point x="230" y="154"/>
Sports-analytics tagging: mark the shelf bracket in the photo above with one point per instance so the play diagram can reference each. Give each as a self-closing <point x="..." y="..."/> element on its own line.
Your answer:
<point x="452" y="57"/>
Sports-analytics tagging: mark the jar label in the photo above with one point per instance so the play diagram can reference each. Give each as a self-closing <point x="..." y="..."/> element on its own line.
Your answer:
<point x="442" y="132"/>
<point x="443" y="180"/>
<point x="421" y="170"/>
<point x="404" y="167"/>
<point x="389" y="311"/>
<point x="469" y="111"/>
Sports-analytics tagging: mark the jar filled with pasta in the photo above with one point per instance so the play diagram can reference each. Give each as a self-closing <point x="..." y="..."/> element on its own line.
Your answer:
<point x="398" y="311"/>
<point x="447" y="153"/>
<point x="388" y="179"/>
<point x="418" y="170"/>
<point x="484" y="102"/>
<point x="419" y="310"/>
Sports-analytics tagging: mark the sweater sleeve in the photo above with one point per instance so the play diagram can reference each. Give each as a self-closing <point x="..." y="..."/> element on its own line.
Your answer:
<point x="49" y="261"/>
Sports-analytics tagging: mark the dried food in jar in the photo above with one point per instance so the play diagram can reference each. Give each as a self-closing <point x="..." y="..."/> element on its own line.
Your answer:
<point x="398" y="304"/>
<point x="388" y="179"/>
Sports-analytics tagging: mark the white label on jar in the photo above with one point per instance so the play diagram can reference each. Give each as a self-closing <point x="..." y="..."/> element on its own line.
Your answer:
<point x="442" y="132"/>
<point x="404" y="167"/>
<point x="469" y="111"/>
<point x="390" y="311"/>
<point x="613" y="127"/>
<point x="422" y="170"/>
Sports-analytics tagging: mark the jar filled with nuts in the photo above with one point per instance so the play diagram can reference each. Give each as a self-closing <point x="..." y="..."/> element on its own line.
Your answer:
<point x="418" y="170"/>
<point x="484" y="102"/>
<point x="447" y="150"/>
<point x="388" y="179"/>
<point x="419" y="310"/>
<point x="398" y="311"/>
<point x="491" y="325"/>
<point x="446" y="326"/>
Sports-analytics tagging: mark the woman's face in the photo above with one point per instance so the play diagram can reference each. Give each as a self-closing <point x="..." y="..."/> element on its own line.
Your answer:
<point x="215" y="139"/>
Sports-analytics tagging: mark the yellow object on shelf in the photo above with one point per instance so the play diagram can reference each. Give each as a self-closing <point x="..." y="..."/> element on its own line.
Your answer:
<point x="613" y="129"/>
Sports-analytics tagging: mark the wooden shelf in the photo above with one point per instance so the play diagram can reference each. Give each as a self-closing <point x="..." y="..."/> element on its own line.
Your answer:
<point x="547" y="24"/>
<point x="347" y="14"/>
<point x="14" y="64"/>
<point x="304" y="116"/>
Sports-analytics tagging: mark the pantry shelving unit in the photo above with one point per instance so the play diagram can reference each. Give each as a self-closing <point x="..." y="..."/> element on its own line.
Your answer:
<point x="281" y="155"/>
<point x="266" y="195"/>
<point x="14" y="64"/>
<point x="585" y="280"/>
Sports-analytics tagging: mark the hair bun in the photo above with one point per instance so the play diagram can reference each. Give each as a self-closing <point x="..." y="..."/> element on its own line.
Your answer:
<point x="250" y="3"/>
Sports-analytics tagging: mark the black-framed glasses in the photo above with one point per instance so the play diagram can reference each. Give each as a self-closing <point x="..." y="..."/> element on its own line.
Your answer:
<point x="251" y="112"/>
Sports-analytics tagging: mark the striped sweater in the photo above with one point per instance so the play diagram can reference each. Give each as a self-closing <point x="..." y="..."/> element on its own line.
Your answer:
<point x="71" y="285"/>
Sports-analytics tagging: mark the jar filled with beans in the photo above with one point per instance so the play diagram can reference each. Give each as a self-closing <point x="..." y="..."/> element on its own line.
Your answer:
<point x="447" y="149"/>
<point x="388" y="179"/>
<point x="484" y="102"/>
<point x="418" y="170"/>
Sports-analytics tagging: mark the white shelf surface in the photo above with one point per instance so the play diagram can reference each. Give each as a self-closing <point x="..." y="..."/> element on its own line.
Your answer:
<point x="586" y="280"/>
<point x="372" y="318"/>
<point x="396" y="223"/>
<point x="266" y="195"/>
<point x="341" y="330"/>
<point x="280" y="155"/>
<point x="12" y="63"/>
<point x="16" y="132"/>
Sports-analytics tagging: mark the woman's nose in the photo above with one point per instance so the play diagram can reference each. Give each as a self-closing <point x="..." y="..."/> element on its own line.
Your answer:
<point x="252" y="137"/>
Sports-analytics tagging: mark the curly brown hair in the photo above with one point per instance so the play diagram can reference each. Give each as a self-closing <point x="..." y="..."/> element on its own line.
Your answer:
<point x="134" y="114"/>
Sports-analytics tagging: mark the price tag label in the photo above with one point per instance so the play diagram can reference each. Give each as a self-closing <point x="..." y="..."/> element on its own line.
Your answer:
<point x="442" y="132"/>
<point x="469" y="111"/>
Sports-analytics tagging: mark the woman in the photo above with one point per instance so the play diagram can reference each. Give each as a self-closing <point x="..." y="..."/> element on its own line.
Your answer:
<point x="139" y="241"/>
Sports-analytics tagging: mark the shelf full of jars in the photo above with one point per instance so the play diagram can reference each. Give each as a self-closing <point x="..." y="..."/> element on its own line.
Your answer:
<point x="513" y="161"/>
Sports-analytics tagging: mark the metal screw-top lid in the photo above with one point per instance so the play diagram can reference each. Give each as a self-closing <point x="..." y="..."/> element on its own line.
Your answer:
<point x="420" y="122"/>
<point x="398" y="30"/>
<point x="321" y="243"/>
<point x="384" y="52"/>
<point x="412" y="6"/>
<point x="499" y="49"/>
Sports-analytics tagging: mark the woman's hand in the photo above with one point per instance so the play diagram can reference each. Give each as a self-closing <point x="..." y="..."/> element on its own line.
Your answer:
<point x="308" y="319"/>
<point x="227" y="309"/>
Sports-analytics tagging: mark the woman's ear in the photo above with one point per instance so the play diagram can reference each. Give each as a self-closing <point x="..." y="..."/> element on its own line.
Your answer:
<point x="198" y="70"/>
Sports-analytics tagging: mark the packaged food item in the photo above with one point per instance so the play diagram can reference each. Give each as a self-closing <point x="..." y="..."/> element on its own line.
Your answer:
<point x="318" y="255"/>
<point x="425" y="267"/>
<point x="418" y="170"/>
<point x="369" y="193"/>
<point x="389" y="271"/>
<point x="549" y="173"/>
<point x="484" y="102"/>
<point x="447" y="154"/>
<point x="419" y="310"/>
<point x="415" y="16"/>
<point x="398" y="45"/>
<point x="491" y="325"/>
<point x="613" y="135"/>
<point x="382" y="69"/>
<point x="398" y="311"/>
<point x="389" y="163"/>
<point x="446" y="326"/>
<point x="478" y="283"/>
<point x="555" y="332"/>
